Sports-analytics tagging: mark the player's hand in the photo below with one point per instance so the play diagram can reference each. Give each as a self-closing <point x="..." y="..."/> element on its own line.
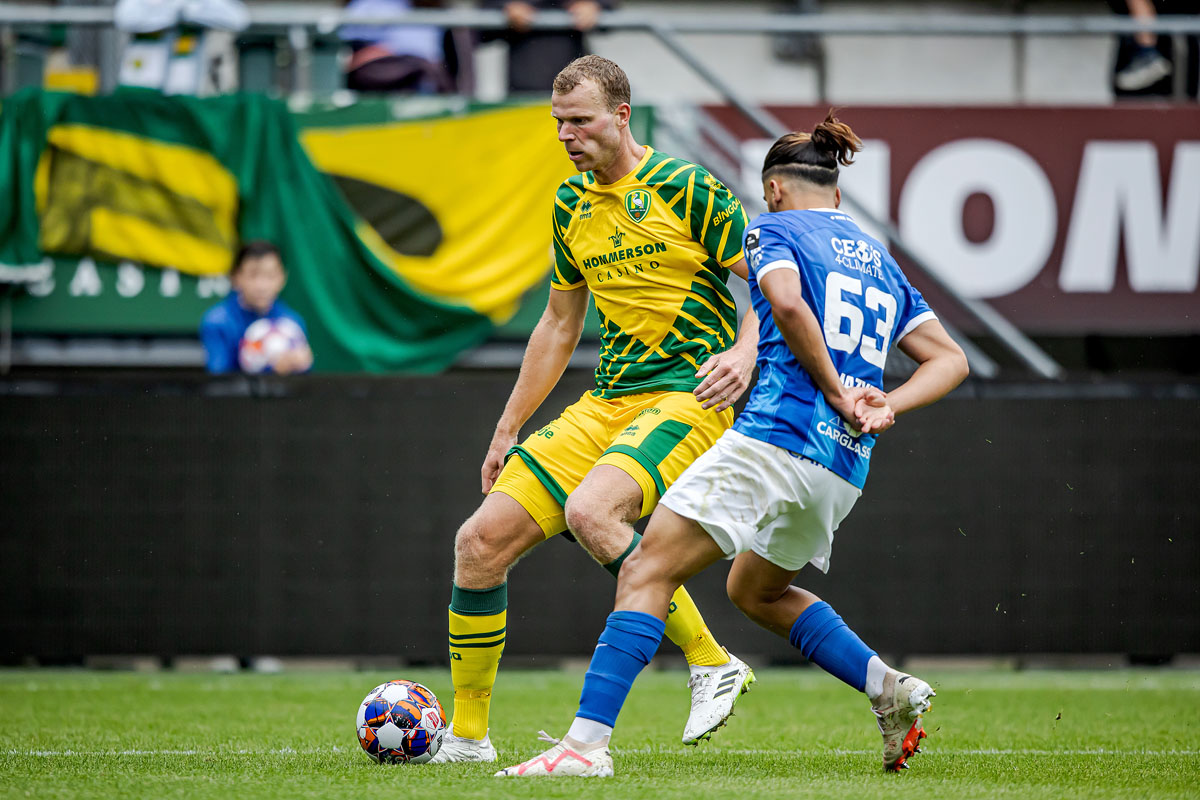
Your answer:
<point x="585" y="14"/>
<point x="298" y="359"/>
<point x="520" y="15"/>
<point x="873" y="413"/>
<point x="493" y="462"/>
<point x="847" y="403"/>
<point x="726" y="375"/>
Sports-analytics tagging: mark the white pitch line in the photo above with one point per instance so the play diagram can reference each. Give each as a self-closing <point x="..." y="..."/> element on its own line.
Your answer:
<point x="925" y="748"/>
<point x="640" y="750"/>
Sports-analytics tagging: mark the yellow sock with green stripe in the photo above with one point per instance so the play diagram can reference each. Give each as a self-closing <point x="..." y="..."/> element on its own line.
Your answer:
<point x="477" y="622"/>
<point x="685" y="626"/>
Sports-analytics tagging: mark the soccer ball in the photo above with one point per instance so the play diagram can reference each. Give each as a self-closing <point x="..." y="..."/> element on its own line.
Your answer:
<point x="401" y="722"/>
<point x="267" y="339"/>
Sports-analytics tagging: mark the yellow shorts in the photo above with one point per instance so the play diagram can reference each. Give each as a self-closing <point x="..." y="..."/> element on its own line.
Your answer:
<point x="653" y="437"/>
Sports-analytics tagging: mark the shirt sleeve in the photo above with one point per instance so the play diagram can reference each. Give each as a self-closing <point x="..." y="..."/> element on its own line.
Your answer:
<point x="767" y="250"/>
<point x="718" y="219"/>
<point x="566" y="272"/>
<point x="916" y="311"/>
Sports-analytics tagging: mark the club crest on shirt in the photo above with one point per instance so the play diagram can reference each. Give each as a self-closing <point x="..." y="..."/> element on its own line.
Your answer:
<point x="637" y="204"/>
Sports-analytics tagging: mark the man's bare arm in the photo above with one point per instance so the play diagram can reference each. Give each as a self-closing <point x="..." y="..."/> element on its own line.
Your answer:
<point x="546" y="356"/>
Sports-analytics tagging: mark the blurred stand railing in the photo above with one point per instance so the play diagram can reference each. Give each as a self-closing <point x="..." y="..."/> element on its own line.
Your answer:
<point x="305" y="27"/>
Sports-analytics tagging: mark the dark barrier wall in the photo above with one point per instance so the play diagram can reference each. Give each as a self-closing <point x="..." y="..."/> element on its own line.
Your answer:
<point x="317" y="517"/>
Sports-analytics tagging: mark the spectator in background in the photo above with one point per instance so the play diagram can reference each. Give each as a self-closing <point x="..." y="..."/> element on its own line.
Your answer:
<point x="1146" y="66"/>
<point x="1150" y="65"/>
<point x="252" y="330"/>
<point x="535" y="57"/>
<point x="396" y="58"/>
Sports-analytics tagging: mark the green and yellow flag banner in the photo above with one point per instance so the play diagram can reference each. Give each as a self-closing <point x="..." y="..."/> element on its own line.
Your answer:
<point x="404" y="242"/>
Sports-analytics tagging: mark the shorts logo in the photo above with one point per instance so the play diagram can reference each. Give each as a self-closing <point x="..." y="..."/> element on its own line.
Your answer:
<point x="637" y="204"/>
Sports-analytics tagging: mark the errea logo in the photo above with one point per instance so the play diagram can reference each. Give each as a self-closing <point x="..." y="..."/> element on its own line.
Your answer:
<point x="585" y="209"/>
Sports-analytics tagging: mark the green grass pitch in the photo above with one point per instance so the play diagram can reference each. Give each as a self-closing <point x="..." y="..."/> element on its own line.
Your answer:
<point x="797" y="734"/>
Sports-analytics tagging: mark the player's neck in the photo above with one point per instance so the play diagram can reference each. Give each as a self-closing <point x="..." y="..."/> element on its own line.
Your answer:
<point x="627" y="158"/>
<point x="802" y="201"/>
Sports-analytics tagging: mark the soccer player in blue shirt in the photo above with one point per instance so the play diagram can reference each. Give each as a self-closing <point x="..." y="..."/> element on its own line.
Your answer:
<point x="257" y="277"/>
<point x="774" y="488"/>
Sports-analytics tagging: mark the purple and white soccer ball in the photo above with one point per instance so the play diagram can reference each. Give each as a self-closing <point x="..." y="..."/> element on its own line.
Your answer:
<point x="400" y="722"/>
<point x="266" y="340"/>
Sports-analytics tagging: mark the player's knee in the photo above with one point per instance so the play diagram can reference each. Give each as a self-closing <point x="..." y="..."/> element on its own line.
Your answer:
<point x="581" y="519"/>
<point x="478" y="546"/>
<point x="750" y="600"/>
<point x="593" y="527"/>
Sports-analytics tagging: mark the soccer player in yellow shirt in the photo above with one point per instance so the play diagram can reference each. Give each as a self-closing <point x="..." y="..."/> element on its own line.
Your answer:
<point x="652" y="238"/>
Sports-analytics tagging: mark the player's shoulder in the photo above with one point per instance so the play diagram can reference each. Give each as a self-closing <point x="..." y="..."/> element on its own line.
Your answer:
<point x="219" y="316"/>
<point x="663" y="170"/>
<point x="573" y="188"/>
<point x="801" y="221"/>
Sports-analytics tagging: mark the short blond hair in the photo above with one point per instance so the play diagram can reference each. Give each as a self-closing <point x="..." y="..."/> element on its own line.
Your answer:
<point x="611" y="79"/>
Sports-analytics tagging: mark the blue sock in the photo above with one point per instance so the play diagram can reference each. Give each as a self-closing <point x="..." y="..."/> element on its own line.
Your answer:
<point x="629" y="641"/>
<point x="824" y="639"/>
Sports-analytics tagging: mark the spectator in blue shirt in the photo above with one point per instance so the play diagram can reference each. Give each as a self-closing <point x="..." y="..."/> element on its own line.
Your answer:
<point x="257" y="277"/>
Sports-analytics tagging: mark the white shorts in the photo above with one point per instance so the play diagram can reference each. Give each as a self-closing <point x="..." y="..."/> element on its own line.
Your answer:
<point x="751" y="495"/>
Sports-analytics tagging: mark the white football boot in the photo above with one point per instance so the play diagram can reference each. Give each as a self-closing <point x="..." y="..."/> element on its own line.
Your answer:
<point x="898" y="710"/>
<point x="714" y="691"/>
<point x="562" y="760"/>
<point x="460" y="748"/>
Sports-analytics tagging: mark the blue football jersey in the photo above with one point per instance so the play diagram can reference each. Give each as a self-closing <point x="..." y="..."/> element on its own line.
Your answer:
<point x="865" y="305"/>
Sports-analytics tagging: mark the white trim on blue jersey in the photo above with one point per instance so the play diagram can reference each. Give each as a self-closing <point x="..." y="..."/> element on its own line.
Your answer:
<point x="913" y="323"/>
<point x="781" y="264"/>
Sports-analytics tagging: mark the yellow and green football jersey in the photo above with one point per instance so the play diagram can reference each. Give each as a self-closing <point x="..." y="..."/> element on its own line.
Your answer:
<point x="654" y="249"/>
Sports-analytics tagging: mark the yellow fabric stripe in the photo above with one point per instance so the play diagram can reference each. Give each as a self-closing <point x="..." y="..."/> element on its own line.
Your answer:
<point x="609" y="362"/>
<point x="565" y="248"/>
<point x="733" y="259"/>
<point x="114" y="232"/>
<point x="699" y="299"/>
<point x="683" y="338"/>
<point x="496" y="240"/>
<point x="617" y="377"/>
<point x="701" y="325"/>
<point x="724" y="236"/>
<point x="687" y="187"/>
<point x="179" y="169"/>
<point x="689" y="359"/>
<point x="708" y="215"/>
<point x="578" y="191"/>
<point x="558" y="201"/>
<point x="657" y="167"/>
<point x="691" y="185"/>
<point x="676" y="172"/>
